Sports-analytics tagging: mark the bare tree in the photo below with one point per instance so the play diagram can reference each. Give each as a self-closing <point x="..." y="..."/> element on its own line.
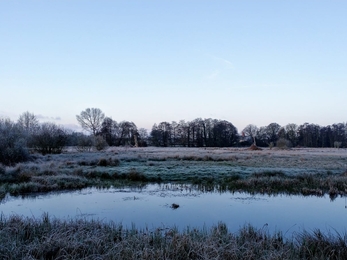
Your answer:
<point x="126" y="133"/>
<point x="143" y="133"/>
<point x="28" y="122"/>
<point x="84" y="142"/>
<point x="13" y="147"/>
<point x="50" y="139"/>
<point x="91" y="120"/>
<point x="292" y="133"/>
<point x="251" y="131"/>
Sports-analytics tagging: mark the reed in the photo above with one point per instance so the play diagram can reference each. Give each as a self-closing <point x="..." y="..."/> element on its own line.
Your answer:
<point x="267" y="172"/>
<point x="50" y="238"/>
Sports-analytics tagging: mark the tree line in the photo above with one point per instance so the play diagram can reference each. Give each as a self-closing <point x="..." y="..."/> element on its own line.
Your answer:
<point x="17" y="139"/>
<point x="196" y="133"/>
<point x="220" y="133"/>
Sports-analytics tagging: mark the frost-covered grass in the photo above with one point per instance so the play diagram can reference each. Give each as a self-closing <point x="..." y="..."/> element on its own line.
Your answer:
<point x="305" y="171"/>
<point x="46" y="238"/>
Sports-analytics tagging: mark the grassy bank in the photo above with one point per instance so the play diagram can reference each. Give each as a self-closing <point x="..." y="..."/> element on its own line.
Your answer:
<point x="302" y="171"/>
<point x="46" y="238"/>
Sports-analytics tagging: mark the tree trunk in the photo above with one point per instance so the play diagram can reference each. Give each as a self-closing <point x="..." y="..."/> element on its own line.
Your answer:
<point x="135" y="139"/>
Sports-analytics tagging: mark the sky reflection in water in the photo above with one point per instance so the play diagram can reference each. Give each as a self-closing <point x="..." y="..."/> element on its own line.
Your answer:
<point x="150" y="207"/>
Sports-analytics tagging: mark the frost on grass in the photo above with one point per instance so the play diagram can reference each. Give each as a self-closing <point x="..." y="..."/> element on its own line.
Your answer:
<point x="235" y="168"/>
<point x="49" y="238"/>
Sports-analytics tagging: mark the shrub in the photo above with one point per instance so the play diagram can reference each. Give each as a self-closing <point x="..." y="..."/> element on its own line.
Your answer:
<point x="49" y="139"/>
<point x="105" y="175"/>
<point x="103" y="162"/>
<point x="84" y="143"/>
<point x="13" y="146"/>
<point x="283" y="143"/>
<point x="24" y="176"/>
<point x="189" y="158"/>
<point x="115" y="162"/>
<point x="109" y="162"/>
<point x="100" y="143"/>
<point x="134" y="175"/>
<point x="234" y="177"/>
<point x="337" y="144"/>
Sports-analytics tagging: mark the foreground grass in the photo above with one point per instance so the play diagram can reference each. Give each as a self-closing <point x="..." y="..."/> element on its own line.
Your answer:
<point x="267" y="172"/>
<point x="46" y="238"/>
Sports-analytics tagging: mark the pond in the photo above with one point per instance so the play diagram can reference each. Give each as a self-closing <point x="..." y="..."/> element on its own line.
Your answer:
<point x="151" y="206"/>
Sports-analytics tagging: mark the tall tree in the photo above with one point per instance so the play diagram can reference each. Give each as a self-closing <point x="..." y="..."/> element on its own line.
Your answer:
<point x="174" y="133"/>
<point x="292" y="133"/>
<point x="127" y="132"/>
<point x="339" y="133"/>
<point x="91" y="120"/>
<point x="12" y="144"/>
<point x="272" y="131"/>
<point x="143" y="137"/>
<point x="263" y="136"/>
<point x="251" y="131"/>
<point x="165" y="130"/>
<point x="109" y="130"/>
<point x="225" y="134"/>
<point x="309" y="135"/>
<point x="28" y="122"/>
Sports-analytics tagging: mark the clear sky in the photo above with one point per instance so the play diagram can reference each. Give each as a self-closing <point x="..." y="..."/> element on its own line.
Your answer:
<point x="151" y="61"/>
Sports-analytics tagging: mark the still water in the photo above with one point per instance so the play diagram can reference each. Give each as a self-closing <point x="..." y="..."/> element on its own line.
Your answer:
<point x="151" y="207"/>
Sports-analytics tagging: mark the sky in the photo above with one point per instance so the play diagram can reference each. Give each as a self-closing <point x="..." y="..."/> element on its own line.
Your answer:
<point x="149" y="61"/>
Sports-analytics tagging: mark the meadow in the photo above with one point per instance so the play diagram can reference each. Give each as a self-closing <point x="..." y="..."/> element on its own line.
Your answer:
<point x="305" y="171"/>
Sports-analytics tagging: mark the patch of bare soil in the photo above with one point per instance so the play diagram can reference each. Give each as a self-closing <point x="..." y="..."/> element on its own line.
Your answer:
<point x="253" y="147"/>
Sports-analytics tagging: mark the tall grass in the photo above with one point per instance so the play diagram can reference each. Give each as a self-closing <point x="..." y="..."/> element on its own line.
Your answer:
<point x="49" y="176"/>
<point x="224" y="169"/>
<point x="47" y="238"/>
<point x="278" y="182"/>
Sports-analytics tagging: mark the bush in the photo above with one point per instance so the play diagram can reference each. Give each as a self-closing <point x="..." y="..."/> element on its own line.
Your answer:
<point x="102" y="162"/>
<point x="134" y="175"/>
<point x="100" y="143"/>
<point x="13" y="146"/>
<point x="337" y="144"/>
<point x="109" y="162"/>
<point x="84" y="143"/>
<point x="49" y="139"/>
<point x="283" y="143"/>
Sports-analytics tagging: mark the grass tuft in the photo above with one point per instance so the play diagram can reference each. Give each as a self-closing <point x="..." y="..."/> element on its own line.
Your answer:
<point x="134" y="175"/>
<point x="51" y="238"/>
<point x="290" y="172"/>
<point x="269" y="174"/>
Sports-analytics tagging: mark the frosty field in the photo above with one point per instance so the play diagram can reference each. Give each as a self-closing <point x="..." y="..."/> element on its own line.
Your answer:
<point x="295" y="171"/>
<point x="271" y="190"/>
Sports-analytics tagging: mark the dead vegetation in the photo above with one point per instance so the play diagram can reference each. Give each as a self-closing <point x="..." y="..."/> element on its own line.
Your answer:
<point x="253" y="147"/>
<point x="294" y="171"/>
<point x="47" y="238"/>
<point x="278" y="182"/>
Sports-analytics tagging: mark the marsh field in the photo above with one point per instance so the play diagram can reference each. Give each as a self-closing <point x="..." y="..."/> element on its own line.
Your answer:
<point x="304" y="171"/>
<point x="181" y="178"/>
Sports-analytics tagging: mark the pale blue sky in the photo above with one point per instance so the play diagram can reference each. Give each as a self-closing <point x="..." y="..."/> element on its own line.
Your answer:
<point x="151" y="61"/>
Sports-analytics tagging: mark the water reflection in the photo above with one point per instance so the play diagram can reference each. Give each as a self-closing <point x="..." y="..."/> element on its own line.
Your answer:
<point x="152" y="206"/>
